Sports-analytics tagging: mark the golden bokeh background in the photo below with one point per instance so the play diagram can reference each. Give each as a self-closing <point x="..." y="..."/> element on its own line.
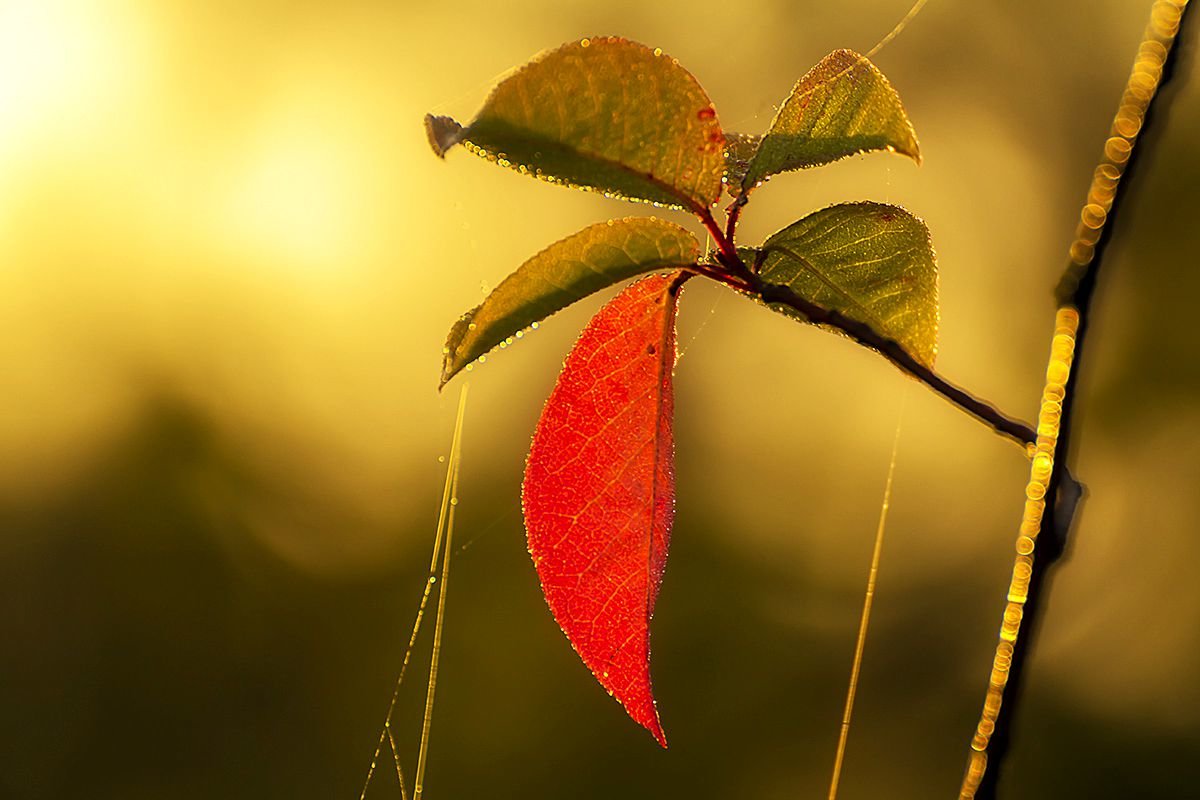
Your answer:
<point x="228" y="261"/>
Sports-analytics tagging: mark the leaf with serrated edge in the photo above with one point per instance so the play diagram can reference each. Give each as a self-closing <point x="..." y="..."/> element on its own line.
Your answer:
<point x="843" y="106"/>
<point x="609" y="115"/>
<point x="568" y="270"/>
<point x="599" y="489"/>
<point x="872" y="262"/>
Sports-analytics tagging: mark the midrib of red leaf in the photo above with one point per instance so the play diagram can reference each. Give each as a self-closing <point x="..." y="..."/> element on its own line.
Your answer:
<point x="599" y="490"/>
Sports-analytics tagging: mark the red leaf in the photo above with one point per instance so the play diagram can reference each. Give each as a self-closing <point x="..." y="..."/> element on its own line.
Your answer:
<point x="599" y="491"/>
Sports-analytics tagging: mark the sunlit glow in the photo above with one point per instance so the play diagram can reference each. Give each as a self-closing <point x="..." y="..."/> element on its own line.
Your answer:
<point x="294" y="199"/>
<point x="59" y="59"/>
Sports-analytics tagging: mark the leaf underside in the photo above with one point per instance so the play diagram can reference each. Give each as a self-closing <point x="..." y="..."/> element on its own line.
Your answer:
<point x="843" y="106"/>
<point x="870" y="261"/>
<point x="605" y="114"/>
<point x="568" y="270"/>
<point x="599" y="489"/>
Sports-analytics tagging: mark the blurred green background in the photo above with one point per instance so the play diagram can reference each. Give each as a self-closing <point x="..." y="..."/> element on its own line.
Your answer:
<point x="227" y="264"/>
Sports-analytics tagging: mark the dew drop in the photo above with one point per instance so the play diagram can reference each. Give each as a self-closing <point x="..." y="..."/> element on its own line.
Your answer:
<point x="470" y="326"/>
<point x="1094" y="215"/>
<point x="657" y="52"/>
<point x="441" y="459"/>
<point x="585" y="42"/>
<point x="534" y="326"/>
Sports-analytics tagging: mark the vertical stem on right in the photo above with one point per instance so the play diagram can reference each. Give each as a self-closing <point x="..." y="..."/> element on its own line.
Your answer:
<point x="1062" y="354"/>
<point x="1155" y="58"/>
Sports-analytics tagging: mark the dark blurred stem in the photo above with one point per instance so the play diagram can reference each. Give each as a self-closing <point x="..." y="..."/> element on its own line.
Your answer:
<point x="892" y="350"/>
<point x="1139" y="107"/>
<point x="733" y="272"/>
<point x="734" y="213"/>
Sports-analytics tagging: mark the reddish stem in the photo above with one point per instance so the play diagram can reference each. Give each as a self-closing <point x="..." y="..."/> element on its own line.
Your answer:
<point x="733" y="213"/>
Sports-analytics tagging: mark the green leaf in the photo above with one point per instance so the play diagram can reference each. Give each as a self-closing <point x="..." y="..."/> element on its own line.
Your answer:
<point x="869" y="261"/>
<point x="603" y="114"/>
<point x="843" y="106"/>
<point x="566" y="271"/>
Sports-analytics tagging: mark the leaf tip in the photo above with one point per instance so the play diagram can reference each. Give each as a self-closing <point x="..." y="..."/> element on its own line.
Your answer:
<point x="451" y="366"/>
<point x="658" y="733"/>
<point x="910" y="148"/>
<point x="456" y="354"/>
<point x="443" y="133"/>
<point x="642" y="710"/>
<point x="449" y="370"/>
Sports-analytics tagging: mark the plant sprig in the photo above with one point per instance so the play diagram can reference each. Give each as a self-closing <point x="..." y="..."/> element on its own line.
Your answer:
<point x="612" y="116"/>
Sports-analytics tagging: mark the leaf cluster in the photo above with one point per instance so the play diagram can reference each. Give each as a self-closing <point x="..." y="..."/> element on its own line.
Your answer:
<point x="616" y="117"/>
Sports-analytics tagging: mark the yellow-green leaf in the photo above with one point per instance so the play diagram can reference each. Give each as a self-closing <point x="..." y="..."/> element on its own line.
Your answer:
<point x="843" y="106"/>
<point x="604" y="114"/>
<point x="566" y="271"/>
<point x="871" y="262"/>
